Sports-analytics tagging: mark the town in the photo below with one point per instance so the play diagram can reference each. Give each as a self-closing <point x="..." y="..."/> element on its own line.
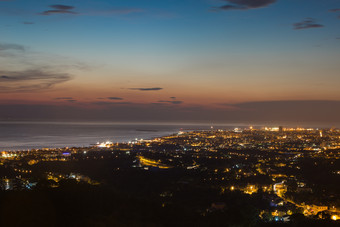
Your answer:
<point x="246" y="176"/>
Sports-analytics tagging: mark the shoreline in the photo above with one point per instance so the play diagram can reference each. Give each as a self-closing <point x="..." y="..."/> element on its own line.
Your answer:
<point x="131" y="139"/>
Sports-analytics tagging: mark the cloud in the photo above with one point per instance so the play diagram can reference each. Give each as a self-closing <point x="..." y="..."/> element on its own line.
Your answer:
<point x="64" y="98"/>
<point x="334" y="10"/>
<point x="307" y="23"/>
<point x="30" y="80"/>
<point x="9" y="46"/>
<point x="114" y="12"/>
<point x="62" y="7"/>
<point x="147" y="89"/>
<point x="28" y="22"/>
<point x="172" y="101"/>
<point x="36" y="72"/>
<point x="311" y="113"/>
<point x="114" y="98"/>
<point x="244" y="4"/>
<point x="295" y="113"/>
<point x="66" y="9"/>
<point x="176" y="102"/>
<point x="67" y="99"/>
<point x="123" y="11"/>
<point x="111" y="98"/>
<point x="10" y="50"/>
<point x="103" y="103"/>
<point x="59" y="9"/>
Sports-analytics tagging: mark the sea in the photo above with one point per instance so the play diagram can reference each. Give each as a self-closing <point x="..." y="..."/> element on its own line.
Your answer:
<point x="16" y="136"/>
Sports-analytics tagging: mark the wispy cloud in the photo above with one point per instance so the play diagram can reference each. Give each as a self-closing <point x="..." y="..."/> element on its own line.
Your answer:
<point x="10" y="50"/>
<point x="147" y="89"/>
<point x="108" y="12"/>
<point x="16" y="54"/>
<point x="176" y="102"/>
<point x="306" y="24"/>
<point x="28" y="22"/>
<point x="114" y="98"/>
<point x="172" y="101"/>
<point x="59" y="9"/>
<point x="110" y="98"/>
<point x="30" y="80"/>
<point x="64" y="98"/>
<point x="37" y="72"/>
<point x="103" y="103"/>
<point x="335" y="11"/>
<point x="244" y="4"/>
<point x="10" y="46"/>
<point x="66" y="9"/>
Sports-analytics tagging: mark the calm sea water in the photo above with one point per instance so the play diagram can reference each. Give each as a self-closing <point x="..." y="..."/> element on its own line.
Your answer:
<point x="29" y="135"/>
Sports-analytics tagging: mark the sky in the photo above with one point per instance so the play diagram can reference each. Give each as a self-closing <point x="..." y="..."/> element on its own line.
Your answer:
<point x="212" y="61"/>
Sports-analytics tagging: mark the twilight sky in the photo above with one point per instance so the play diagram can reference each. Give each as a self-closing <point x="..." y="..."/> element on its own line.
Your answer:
<point x="208" y="61"/>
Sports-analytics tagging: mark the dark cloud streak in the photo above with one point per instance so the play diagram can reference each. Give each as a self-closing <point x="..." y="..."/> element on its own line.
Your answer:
<point x="66" y="9"/>
<point x="176" y="102"/>
<point x="28" y="22"/>
<point x="62" y="7"/>
<point x="114" y="98"/>
<point x="59" y="9"/>
<point x="306" y="24"/>
<point x="244" y="4"/>
<point x="147" y="89"/>
<point x="114" y="12"/>
<point x="64" y="98"/>
<point x="103" y="103"/>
